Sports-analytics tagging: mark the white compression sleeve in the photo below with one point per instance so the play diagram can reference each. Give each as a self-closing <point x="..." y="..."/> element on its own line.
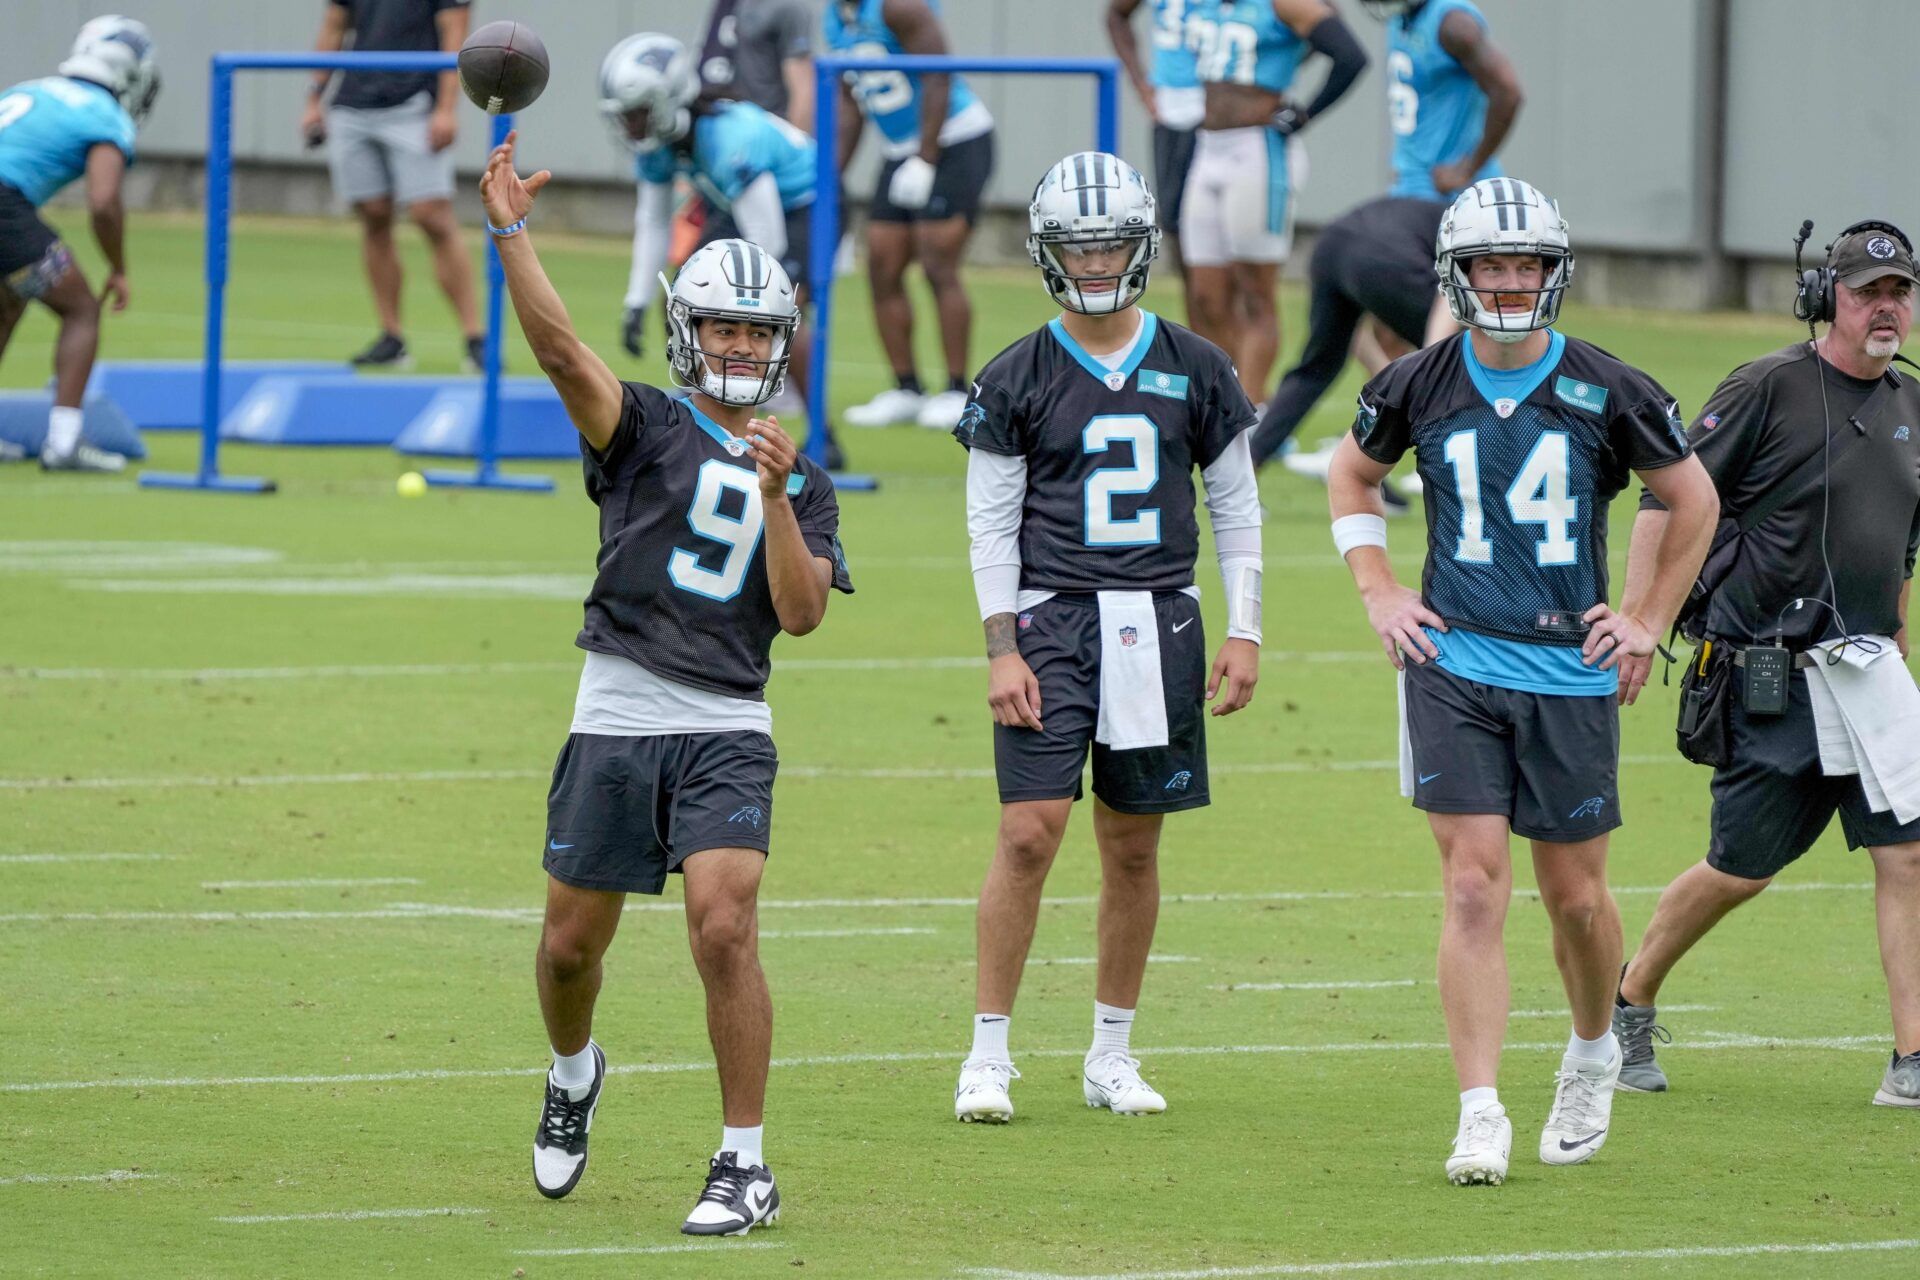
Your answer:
<point x="652" y="229"/>
<point x="996" y="500"/>
<point x="761" y="220"/>
<point x="1233" y="506"/>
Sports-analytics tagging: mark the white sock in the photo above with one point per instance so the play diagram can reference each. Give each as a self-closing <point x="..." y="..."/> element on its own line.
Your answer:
<point x="1112" y="1028"/>
<point x="1478" y="1099"/>
<point x="1599" y="1052"/>
<point x="574" y="1071"/>
<point x="990" y="1036"/>
<point x="63" y="432"/>
<point x="744" y="1143"/>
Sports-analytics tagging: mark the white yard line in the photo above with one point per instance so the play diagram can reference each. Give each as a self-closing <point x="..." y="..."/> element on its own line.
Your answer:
<point x="1320" y="986"/>
<point x="611" y="1250"/>
<point x="1730" y="1042"/>
<point x="1542" y="1258"/>
<point x="39" y="1179"/>
<point x="1665" y="1008"/>
<point x="345" y="882"/>
<point x="349" y="1215"/>
<point x="87" y="857"/>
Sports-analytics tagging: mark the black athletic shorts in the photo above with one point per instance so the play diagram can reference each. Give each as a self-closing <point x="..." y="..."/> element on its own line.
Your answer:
<point x="1172" y="157"/>
<point x="32" y="256"/>
<point x="1548" y="763"/>
<point x="1772" y="802"/>
<point x="624" y="811"/>
<point x="1060" y="639"/>
<point x="721" y="226"/>
<point x="959" y="181"/>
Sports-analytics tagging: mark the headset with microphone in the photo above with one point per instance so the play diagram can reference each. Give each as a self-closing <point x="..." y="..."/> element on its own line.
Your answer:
<point x="1815" y="298"/>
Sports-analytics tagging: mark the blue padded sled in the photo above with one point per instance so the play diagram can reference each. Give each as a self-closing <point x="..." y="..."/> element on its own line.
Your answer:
<point x="329" y="410"/>
<point x="166" y="395"/>
<point x="23" y="421"/>
<point x="533" y="424"/>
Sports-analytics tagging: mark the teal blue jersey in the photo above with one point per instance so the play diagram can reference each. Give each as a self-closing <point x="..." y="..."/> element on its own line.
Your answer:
<point x="731" y="147"/>
<point x="891" y="99"/>
<point x="48" y="126"/>
<point x="1244" y="42"/>
<point x="1174" y="66"/>
<point x="1435" y="109"/>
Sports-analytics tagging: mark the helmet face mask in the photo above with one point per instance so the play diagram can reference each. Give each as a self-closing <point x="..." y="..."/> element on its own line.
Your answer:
<point x="734" y="284"/>
<point x="117" y="54"/>
<point x="1503" y="217"/>
<point x="647" y="88"/>
<point x="1088" y="207"/>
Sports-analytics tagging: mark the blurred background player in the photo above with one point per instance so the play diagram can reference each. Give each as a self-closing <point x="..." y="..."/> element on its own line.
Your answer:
<point x="1452" y="98"/>
<point x="1508" y="711"/>
<point x="1171" y="92"/>
<point x="1082" y="439"/>
<point x="53" y="130"/>
<point x="389" y="137"/>
<point x="938" y="142"/>
<point x="1236" y="217"/>
<point x="715" y="537"/>
<point x="754" y="170"/>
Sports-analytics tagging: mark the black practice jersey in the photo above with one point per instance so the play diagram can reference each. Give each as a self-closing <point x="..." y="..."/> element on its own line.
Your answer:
<point x="682" y="587"/>
<point x="1110" y="455"/>
<point x="1519" y="468"/>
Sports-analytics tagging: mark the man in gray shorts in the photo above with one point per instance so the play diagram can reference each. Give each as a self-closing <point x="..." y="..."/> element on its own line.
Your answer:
<point x="389" y="139"/>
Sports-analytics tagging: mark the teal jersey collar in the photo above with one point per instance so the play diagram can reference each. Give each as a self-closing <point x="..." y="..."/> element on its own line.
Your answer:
<point x="1149" y="325"/>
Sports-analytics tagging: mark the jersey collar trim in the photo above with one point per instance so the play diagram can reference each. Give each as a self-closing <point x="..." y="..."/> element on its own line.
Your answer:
<point x="1517" y="384"/>
<point x="1149" y="326"/>
<point x="706" y="424"/>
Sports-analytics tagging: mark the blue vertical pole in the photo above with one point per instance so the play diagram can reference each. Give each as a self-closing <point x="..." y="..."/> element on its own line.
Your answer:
<point x="496" y="288"/>
<point x="825" y="242"/>
<point x="1108" y="125"/>
<point x="219" y="189"/>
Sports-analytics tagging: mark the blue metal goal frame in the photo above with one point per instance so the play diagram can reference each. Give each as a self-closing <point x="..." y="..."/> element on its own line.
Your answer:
<point x="487" y="474"/>
<point x="825" y="231"/>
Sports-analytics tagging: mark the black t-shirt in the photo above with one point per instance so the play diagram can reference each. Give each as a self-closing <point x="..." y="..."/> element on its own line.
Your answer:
<point x="1762" y="423"/>
<point x="1517" y="480"/>
<point x="1110" y="455"/>
<point x="1380" y="254"/>
<point x="399" y="26"/>
<point x="682" y="588"/>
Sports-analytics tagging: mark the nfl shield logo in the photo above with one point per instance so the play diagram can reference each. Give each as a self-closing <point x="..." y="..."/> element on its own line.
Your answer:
<point x="1505" y="407"/>
<point x="1026" y="620"/>
<point x="1129" y="637"/>
<point x="1116" y="380"/>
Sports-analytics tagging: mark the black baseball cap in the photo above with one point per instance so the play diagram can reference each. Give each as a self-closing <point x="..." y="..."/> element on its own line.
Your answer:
<point x="1863" y="256"/>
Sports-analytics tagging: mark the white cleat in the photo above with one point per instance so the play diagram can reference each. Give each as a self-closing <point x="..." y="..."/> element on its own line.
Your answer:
<point x="984" y="1094"/>
<point x="888" y="408"/>
<point x="1113" y="1081"/>
<point x="942" y="412"/>
<point x="84" y="457"/>
<point x="1313" y="463"/>
<point x="1481" y="1148"/>
<point x="1582" y="1109"/>
<point x="734" y="1201"/>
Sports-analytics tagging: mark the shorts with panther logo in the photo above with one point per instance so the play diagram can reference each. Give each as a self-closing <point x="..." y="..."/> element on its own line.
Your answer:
<point x="623" y="812"/>
<point x="1060" y="639"/>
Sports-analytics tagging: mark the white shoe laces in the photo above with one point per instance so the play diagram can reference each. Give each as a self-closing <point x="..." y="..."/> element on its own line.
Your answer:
<point x="1116" y="1071"/>
<point x="984" y="1073"/>
<point x="1480" y="1128"/>
<point x="1576" y="1103"/>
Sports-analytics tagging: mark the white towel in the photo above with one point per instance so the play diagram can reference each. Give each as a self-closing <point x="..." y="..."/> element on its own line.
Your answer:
<point x="1406" y="739"/>
<point x="1866" y="716"/>
<point x="1133" y="702"/>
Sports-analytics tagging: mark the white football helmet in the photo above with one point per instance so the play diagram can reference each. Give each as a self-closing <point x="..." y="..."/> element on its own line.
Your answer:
<point x="730" y="280"/>
<point x="1505" y="216"/>
<point x="1092" y="201"/>
<point x="650" y="73"/>
<point x="117" y="54"/>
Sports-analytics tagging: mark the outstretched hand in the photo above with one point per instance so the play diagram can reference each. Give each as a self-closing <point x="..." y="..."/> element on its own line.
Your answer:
<point x="503" y="193"/>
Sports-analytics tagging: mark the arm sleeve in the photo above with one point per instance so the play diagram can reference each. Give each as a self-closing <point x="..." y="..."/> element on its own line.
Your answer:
<point x="757" y="212"/>
<point x="1333" y="38"/>
<point x="1238" y="551"/>
<point x="1233" y="498"/>
<point x="652" y="229"/>
<point x="1381" y="427"/>
<point x="996" y="499"/>
<point x="992" y="421"/>
<point x="1724" y="438"/>
<point x="817" y="511"/>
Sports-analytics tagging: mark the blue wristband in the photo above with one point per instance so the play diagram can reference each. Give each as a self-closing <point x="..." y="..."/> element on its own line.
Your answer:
<point x="504" y="232"/>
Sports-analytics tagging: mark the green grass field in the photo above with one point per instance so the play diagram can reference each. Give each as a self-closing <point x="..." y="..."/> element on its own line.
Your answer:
<point x="273" y="773"/>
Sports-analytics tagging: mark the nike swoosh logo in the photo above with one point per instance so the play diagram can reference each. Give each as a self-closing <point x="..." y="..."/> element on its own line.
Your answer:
<point x="1115" y="1021"/>
<point x="1577" y="1143"/>
<point x="757" y="1201"/>
<point x="557" y="847"/>
<point x="993" y="1019"/>
<point x="1429" y="777"/>
<point x="1181" y="626"/>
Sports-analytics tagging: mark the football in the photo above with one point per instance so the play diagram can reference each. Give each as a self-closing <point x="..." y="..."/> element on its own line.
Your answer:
<point x="503" y="67"/>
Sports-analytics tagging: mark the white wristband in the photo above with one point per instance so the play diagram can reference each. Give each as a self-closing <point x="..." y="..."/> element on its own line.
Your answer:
<point x="1243" y="599"/>
<point x="1359" y="531"/>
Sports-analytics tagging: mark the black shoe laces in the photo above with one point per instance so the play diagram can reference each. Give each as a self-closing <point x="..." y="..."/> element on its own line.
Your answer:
<point x="726" y="1181"/>
<point x="563" y="1122"/>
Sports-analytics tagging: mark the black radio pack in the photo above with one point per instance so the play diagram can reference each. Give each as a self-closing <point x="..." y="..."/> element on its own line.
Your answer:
<point x="1769" y="667"/>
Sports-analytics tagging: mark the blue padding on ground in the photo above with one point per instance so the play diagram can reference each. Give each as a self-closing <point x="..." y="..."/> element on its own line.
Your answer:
<point x="330" y="410"/>
<point x="165" y="395"/>
<point x="533" y="424"/>
<point x="23" y="421"/>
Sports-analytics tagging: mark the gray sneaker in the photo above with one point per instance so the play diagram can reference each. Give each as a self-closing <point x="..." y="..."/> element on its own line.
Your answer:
<point x="1900" y="1087"/>
<point x="1635" y="1028"/>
